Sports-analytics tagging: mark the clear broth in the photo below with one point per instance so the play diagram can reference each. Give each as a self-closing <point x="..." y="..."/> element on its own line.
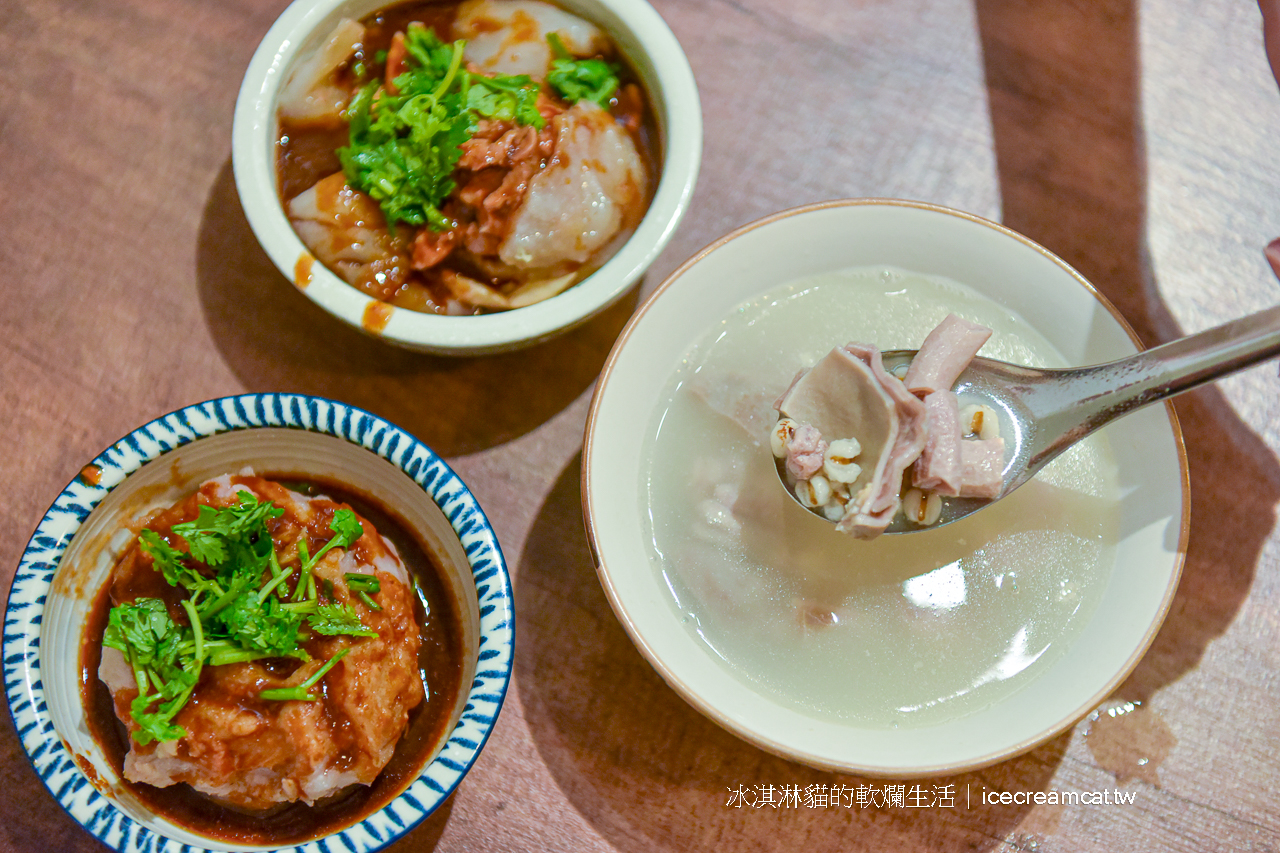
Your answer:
<point x="904" y="630"/>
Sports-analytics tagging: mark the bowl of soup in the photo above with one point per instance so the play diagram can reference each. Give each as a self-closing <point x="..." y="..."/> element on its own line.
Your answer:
<point x="255" y="623"/>
<point x="466" y="177"/>
<point x="933" y="652"/>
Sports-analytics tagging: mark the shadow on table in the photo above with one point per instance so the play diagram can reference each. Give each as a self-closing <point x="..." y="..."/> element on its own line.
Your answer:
<point x="275" y="339"/>
<point x="651" y="773"/>
<point x="426" y="835"/>
<point x="1064" y="86"/>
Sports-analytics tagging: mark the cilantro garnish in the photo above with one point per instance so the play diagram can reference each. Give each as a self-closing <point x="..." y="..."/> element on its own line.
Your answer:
<point x="162" y="656"/>
<point x="581" y="79"/>
<point x="338" y="618"/>
<point x="236" y="608"/>
<point x="301" y="692"/>
<point x="403" y="147"/>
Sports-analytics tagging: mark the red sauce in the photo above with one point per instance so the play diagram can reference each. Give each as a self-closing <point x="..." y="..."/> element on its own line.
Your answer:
<point x="376" y="316"/>
<point x="302" y="270"/>
<point x="439" y="663"/>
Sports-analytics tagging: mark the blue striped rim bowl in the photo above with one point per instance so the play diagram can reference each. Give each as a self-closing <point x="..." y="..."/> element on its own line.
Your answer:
<point x="68" y="560"/>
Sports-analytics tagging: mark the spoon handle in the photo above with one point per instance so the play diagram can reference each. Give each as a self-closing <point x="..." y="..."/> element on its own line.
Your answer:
<point x="1080" y="400"/>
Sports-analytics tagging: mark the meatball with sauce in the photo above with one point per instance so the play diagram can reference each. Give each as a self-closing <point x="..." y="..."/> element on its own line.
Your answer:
<point x="255" y="753"/>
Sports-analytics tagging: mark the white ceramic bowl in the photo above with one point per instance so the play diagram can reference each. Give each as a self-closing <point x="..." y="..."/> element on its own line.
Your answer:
<point x="69" y="559"/>
<point x="999" y="264"/>
<point x="658" y="59"/>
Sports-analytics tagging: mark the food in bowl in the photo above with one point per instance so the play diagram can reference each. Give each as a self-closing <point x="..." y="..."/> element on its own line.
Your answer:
<point x="266" y="645"/>
<point x="923" y="583"/>
<point x="463" y="158"/>
<point x="903" y="631"/>
<point x="892" y="431"/>
<point x="390" y="483"/>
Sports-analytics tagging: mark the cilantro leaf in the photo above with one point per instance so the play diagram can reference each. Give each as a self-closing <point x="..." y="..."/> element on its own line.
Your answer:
<point x="236" y="535"/>
<point x="144" y="631"/>
<point x="336" y="618"/>
<point x="169" y="560"/>
<point x="162" y="656"/>
<point x="505" y="98"/>
<point x="581" y="79"/>
<point x="230" y="573"/>
<point x="264" y="626"/>
<point x="403" y="147"/>
<point x="348" y="528"/>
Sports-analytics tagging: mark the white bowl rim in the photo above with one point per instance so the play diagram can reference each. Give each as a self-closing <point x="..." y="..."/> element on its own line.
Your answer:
<point x="691" y="695"/>
<point x="255" y="179"/>
<point x="47" y="752"/>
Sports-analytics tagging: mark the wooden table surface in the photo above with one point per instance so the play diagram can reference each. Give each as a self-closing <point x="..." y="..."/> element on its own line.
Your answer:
<point x="1138" y="141"/>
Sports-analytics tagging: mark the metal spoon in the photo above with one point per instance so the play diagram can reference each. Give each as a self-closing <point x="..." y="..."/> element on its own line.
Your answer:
<point x="1042" y="412"/>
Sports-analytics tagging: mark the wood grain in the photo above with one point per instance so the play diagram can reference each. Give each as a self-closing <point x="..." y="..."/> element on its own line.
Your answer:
<point x="1136" y="141"/>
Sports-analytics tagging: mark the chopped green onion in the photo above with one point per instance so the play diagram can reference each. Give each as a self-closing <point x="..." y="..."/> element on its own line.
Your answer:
<point x="357" y="580"/>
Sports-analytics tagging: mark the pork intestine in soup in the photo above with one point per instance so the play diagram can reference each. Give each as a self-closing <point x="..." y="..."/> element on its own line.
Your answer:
<point x="906" y="629"/>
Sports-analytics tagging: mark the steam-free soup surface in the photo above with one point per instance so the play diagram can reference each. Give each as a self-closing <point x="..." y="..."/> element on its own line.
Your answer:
<point x="904" y="630"/>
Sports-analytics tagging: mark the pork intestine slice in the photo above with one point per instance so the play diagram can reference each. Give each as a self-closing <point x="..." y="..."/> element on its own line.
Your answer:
<point x="850" y="394"/>
<point x="939" y="468"/>
<point x="944" y="355"/>
<point x="982" y="468"/>
<point x="868" y="516"/>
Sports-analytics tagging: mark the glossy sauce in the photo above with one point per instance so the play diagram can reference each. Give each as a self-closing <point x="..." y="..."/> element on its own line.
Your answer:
<point x="307" y="153"/>
<point x="439" y="663"/>
<point x="903" y="630"/>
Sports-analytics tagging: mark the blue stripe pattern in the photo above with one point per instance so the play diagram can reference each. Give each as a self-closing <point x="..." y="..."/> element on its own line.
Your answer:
<point x="33" y="578"/>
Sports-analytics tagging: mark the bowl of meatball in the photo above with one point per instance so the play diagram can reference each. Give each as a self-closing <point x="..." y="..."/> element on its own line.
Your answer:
<point x="466" y="177"/>
<point x="259" y="622"/>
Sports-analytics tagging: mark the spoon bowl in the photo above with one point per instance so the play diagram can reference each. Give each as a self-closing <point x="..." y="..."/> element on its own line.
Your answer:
<point x="1044" y="411"/>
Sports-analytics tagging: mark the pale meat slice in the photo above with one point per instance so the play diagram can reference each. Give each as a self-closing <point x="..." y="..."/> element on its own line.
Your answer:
<point x="944" y="355"/>
<point x="310" y="95"/>
<point x="805" y="452"/>
<point x="873" y="514"/>
<point x="939" y="468"/>
<point x="510" y="36"/>
<point x="846" y="394"/>
<point x="982" y="466"/>
<point x="739" y="398"/>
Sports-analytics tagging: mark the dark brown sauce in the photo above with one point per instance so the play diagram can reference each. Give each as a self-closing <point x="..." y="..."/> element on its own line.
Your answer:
<point x="439" y="662"/>
<point x="307" y="153"/>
